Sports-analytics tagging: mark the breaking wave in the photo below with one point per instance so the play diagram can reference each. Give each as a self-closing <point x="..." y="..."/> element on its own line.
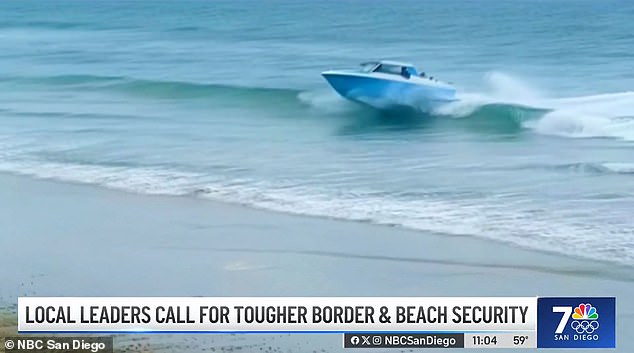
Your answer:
<point x="609" y="115"/>
<point x="430" y="214"/>
<point x="504" y="101"/>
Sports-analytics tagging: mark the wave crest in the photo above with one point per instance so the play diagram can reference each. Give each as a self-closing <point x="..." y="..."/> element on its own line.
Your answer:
<point x="507" y="99"/>
<point x="157" y="88"/>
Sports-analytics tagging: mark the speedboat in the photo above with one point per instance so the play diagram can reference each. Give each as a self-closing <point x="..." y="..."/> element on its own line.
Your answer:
<point x="386" y="84"/>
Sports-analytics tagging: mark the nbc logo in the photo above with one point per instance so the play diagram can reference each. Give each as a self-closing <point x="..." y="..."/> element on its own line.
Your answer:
<point x="585" y="319"/>
<point x="573" y="322"/>
<point x="584" y="322"/>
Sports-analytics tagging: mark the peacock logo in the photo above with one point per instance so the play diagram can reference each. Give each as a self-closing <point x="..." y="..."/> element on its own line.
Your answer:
<point x="585" y="319"/>
<point x="585" y="312"/>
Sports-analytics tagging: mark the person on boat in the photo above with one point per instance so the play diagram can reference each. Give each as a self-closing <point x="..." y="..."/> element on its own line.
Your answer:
<point x="405" y="72"/>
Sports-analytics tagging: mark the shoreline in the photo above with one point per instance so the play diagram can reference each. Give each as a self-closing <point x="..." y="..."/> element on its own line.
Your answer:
<point x="247" y="207"/>
<point x="82" y="240"/>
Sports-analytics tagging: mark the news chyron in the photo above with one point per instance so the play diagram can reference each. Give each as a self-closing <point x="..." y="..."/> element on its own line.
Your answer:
<point x="365" y="322"/>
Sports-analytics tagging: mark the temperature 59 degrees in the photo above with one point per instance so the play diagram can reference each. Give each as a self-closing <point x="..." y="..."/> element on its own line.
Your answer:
<point x="519" y="340"/>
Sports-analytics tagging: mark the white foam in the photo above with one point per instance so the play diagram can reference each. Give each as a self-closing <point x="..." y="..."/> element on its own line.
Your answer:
<point x="511" y="223"/>
<point x="572" y="123"/>
<point x="138" y="180"/>
<point x="602" y="115"/>
<point x="623" y="168"/>
<point x="493" y="220"/>
<point x="506" y="88"/>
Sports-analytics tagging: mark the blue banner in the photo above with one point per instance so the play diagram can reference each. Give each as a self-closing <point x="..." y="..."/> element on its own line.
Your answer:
<point x="576" y="322"/>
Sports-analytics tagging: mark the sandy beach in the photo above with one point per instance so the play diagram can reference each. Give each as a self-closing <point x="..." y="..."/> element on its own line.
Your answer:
<point x="61" y="239"/>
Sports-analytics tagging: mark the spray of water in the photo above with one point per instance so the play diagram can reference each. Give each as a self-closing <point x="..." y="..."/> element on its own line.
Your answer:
<point x="609" y="115"/>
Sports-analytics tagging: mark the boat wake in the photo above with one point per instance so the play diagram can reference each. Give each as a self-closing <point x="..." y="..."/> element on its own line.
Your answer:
<point x="609" y="115"/>
<point x="512" y="105"/>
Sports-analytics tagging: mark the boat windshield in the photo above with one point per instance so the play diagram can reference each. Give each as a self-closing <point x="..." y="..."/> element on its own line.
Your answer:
<point x="389" y="69"/>
<point x="368" y="67"/>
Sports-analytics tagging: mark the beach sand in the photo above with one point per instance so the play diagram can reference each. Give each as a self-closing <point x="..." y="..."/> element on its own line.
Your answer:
<point x="61" y="239"/>
<point x="8" y="324"/>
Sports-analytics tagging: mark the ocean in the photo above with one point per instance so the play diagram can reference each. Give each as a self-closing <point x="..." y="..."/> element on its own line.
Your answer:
<point x="224" y="100"/>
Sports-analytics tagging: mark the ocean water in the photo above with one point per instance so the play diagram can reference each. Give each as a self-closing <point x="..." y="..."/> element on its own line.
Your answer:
<point x="224" y="100"/>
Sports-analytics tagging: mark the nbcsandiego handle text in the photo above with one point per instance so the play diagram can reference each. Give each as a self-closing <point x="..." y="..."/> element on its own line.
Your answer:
<point x="403" y="340"/>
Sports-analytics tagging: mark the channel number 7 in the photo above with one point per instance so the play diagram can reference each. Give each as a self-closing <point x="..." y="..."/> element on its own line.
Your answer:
<point x="567" y="311"/>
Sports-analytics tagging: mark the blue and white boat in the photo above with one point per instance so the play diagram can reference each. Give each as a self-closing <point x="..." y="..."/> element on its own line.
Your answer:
<point x="387" y="84"/>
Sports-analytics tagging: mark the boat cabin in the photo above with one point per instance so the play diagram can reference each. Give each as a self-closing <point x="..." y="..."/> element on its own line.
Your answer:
<point x="389" y="67"/>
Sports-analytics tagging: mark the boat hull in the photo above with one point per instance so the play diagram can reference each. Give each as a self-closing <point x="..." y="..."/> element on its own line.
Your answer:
<point x="387" y="93"/>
